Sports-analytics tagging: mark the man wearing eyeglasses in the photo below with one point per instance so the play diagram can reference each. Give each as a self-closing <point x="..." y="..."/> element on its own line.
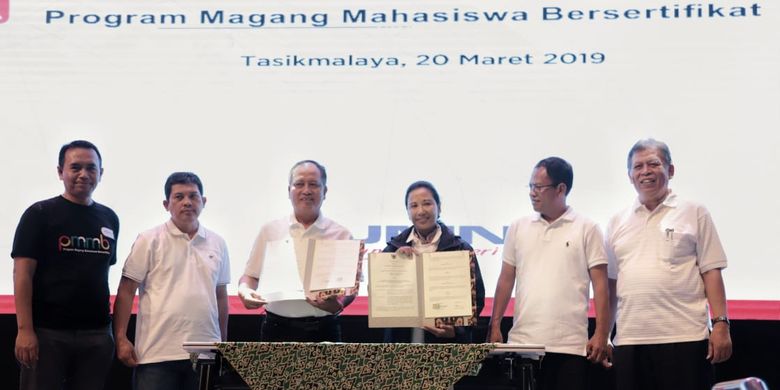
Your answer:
<point x="665" y="261"/>
<point x="553" y="257"/>
<point x="309" y="320"/>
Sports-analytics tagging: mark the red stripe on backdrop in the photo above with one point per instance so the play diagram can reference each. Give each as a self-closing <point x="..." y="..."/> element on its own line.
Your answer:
<point x="738" y="309"/>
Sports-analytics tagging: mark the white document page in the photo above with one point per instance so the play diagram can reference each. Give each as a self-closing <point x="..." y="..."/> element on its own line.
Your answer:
<point x="447" y="284"/>
<point x="334" y="264"/>
<point x="280" y="279"/>
<point x="392" y="285"/>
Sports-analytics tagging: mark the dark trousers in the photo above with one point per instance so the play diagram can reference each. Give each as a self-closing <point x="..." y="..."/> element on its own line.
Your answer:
<point x="175" y="374"/>
<point x="663" y="366"/>
<point x="463" y="335"/>
<point x="70" y="359"/>
<point x="307" y="329"/>
<point x="563" y="371"/>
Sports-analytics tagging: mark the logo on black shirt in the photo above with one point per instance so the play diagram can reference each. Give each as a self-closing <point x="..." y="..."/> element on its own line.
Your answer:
<point x="84" y="244"/>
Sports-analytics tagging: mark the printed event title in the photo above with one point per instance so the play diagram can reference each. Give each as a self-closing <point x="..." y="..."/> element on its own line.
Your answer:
<point x="361" y="18"/>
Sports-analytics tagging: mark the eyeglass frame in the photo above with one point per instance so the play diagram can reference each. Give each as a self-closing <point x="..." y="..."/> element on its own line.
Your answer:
<point x="537" y="189"/>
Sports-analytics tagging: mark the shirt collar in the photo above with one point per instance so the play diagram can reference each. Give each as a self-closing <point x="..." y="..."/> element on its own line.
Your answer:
<point x="670" y="201"/>
<point x="567" y="216"/>
<point x="174" y="230"/>
<point x="321" y="223"/>
<point x="433" y="237"/>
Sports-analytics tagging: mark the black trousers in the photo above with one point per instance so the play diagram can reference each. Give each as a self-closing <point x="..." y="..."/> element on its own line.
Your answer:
<point x="172" y="374"/>
<point x="277" y="328"/>
<point x="562" y="371"/>
<point x="70" y="359"/>
<point x="663" y="366"/>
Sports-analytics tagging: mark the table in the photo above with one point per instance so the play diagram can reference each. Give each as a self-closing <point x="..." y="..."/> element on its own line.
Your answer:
<point x="349" y="365"/>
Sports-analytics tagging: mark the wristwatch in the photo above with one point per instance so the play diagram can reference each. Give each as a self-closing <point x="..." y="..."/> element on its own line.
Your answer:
<point x="721" y="319"/>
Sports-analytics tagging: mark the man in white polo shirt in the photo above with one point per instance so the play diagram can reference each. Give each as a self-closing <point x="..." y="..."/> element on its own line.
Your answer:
<point x="182" y="271"/>
<point x="297" y="320"/>
<point x="554" y="256"/>
<point x="665" y="267"/>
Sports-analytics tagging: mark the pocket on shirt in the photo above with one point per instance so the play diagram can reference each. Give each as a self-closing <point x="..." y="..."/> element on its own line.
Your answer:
<point x="679" y="246"/>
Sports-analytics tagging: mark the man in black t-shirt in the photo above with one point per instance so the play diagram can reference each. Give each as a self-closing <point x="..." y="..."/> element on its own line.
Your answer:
<point x="62" y="251"/>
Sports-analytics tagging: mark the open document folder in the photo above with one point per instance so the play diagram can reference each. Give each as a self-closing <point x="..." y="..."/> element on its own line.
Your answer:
<point x="294" y="269"/>
<point x="428" y="289"/>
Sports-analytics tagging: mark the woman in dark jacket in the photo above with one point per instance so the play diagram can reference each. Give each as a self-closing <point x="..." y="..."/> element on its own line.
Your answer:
<point x="428" y="234"/>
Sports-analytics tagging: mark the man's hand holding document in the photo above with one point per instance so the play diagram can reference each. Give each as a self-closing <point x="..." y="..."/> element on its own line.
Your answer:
<point x="313" y="269"/>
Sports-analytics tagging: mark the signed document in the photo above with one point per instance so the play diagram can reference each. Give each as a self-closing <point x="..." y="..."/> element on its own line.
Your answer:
<point x="447" y="284"/>
<point x="296" y="269"/>
<point x="427" y="289"/>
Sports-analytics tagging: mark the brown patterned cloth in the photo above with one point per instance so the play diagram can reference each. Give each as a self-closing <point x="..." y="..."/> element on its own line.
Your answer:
<point x="352" y="366"/>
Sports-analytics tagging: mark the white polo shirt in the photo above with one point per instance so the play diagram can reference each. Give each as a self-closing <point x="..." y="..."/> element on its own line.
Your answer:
<point x="552" y="263"/>
<point x="178" y="278"/>
<point x="322" y="229"/>
<point x="657" y="258"/>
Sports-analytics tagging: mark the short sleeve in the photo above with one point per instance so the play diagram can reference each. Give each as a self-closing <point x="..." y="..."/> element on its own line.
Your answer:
<point x="594" y="246"/>
<point x="29" y="234"/>
<point x="709" y="250"/>
<point x="224" y="269"/>
<point x="256" y="257"/>
<point x="509" y="252"/>
<point x="610" y="250"/>
<point x="137" y="265"/>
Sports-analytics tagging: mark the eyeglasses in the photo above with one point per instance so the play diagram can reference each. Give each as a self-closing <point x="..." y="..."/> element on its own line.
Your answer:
<point x="537" y="188"/>
<point x="299" y="185"/>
